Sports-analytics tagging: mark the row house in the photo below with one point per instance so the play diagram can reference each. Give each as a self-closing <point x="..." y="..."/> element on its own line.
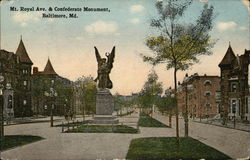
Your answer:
<point x="16" y="70"/>
<point x="51" y="91"/>
<point x="198" y="93"/>
<point x="234" y="84"/>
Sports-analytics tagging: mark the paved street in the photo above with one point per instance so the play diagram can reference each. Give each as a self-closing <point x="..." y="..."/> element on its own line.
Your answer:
<point x="57" y="145"/>
<point x="75" y="146"/>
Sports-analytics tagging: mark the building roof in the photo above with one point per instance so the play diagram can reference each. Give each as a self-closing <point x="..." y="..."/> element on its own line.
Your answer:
<point x="49" y="68"/>
<point x="228" y="58"/>
<point x="22" y="53"/>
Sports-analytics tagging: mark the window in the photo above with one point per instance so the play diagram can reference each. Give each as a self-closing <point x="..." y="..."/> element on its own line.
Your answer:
<point x="233" y="109"/>
<point x="234" y="87"/>
<point x="207" y="93"/>
<point x="25" y="71"/>
<point x="207" y="83"/>
<point x="24" y="102"/>
<point x="190" y="97"/>
<point x="222" y="88"/>
<point x="208" y="106"/>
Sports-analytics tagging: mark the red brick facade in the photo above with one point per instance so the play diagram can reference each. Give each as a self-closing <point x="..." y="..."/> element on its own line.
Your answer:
<point x="235" y="97"/>
<point x="199" y="94"/>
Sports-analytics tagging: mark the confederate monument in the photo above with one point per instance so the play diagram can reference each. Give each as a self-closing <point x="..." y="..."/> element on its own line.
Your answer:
<point x="104" y="99"/>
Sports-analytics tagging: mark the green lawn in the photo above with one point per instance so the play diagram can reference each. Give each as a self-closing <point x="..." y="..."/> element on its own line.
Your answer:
<point x="76" y="123"/>
<point x="165" y="148"/>
<point x="103" y="129"/>
<point x="147" y="121"/>
<point x="12" y="141"/>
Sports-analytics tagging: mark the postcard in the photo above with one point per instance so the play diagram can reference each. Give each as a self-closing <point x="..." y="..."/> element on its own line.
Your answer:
<point x="131" y="79"/>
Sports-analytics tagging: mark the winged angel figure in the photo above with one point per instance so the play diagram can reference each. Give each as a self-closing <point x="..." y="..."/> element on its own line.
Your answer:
<point x="104" y="69"/>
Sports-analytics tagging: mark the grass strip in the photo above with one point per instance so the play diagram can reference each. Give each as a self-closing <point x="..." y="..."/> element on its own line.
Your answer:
<point x="158" y="148"/>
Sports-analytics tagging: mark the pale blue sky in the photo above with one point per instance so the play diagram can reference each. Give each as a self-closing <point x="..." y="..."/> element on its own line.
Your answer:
<point x="69" y="42"/>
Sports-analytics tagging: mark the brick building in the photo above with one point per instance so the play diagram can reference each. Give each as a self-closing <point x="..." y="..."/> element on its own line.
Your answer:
<point x="16" y="70"/>
<point x="235" y="97"/>
<point x="42" y="82"/>
<point x="198" y="93"/>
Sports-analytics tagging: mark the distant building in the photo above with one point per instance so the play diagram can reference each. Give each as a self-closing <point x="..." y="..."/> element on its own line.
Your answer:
<point x="43" y="81"/>
<point x="198" y="93"/>
<point x="16" y="69"/>
<point x="235" y="97"/>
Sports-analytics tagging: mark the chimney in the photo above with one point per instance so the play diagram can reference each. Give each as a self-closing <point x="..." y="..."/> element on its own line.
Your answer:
<point x="35" y="70"/>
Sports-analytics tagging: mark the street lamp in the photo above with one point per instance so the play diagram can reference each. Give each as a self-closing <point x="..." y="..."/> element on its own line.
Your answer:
<point x="1" y="106"/>
<point x="187" y="88"/>
<point x="65" y="108"/>
<point x="51" y="94"/>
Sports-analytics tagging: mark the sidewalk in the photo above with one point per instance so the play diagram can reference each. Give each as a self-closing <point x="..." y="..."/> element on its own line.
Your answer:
<point x="77" y="146"/>
<point x="25" y="120"/>
<point x="230" y="124"/>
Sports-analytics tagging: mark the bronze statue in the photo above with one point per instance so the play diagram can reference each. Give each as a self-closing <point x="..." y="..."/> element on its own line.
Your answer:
<point x="104" y="68"/>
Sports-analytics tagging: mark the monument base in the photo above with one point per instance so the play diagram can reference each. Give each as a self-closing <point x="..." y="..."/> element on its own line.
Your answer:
<point x="104" y="108"/>
<point x="105" y="119"/>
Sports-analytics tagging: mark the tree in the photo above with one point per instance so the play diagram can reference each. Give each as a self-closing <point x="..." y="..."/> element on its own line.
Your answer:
<point x="64" y="97"/>
<point x="150" y="91"/>
<point x="88" y="89"/>
<point x="179" y="45"/>
<point x="42" y="84"/>
<point x="121" y="103"/>
<point x="166" y="105"/>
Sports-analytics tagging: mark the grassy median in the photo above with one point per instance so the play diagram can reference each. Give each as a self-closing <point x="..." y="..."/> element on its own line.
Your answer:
<point x="12" y="141"/>
<point x="155" y="148"/>
<point x="103" y="129"/>
<point x="147" y="121"/>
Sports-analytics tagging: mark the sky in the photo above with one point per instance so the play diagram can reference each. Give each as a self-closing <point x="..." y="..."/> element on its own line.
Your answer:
<point x="69" y="42"/>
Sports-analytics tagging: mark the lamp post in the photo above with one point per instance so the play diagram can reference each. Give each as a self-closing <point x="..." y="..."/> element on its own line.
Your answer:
<point x="187" y="88"/>
<point x="1" y="106"/>
<point x="65" y="107"/>
<point x="51" y="94"/>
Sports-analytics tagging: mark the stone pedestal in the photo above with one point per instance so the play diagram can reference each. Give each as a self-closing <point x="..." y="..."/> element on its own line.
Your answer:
<point x="104" y="108"/>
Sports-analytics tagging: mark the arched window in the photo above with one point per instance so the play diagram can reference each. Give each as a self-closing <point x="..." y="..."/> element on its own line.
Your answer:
<point x="207" y="93"/>
<point x="207" y="83"/>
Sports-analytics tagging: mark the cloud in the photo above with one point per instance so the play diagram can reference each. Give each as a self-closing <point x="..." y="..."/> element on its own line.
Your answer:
<point x="9" y="2"/>
<point x="222" y="26"/>
<point x="243" y="28"/>
<point x="203" y="0"/>
<point x="24" y="17"/>
<point x="24" y="24"/>
<point x="134" y="21"/>
<point x="51" y="20"/>
<point x="136" y="8"/>
<point x="246" y="3"/>
<point x="79" y="38"/>
<point x="101" y="27"/>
